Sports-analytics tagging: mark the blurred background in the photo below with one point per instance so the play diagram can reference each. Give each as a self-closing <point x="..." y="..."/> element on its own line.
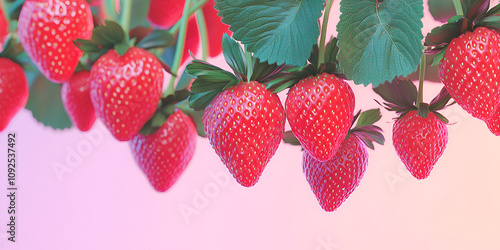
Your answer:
<point x="84" y="191"/>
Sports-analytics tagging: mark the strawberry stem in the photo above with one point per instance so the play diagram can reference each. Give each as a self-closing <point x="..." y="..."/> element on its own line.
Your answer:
<point x="179" y="49"/>
<point x="420" y="97"/>
<point x="458" y="7"/>
<point x="126" y="14"/>
<point x="249" y="63"/>
<point x="196" y="6"/>
<point x="321" y="58"/>
<point x="202" y="27"/>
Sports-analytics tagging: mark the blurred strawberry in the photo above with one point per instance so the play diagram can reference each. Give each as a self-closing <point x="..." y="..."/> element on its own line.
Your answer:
<point x="192" y="40"/>
<point x="13" y="90"/>
<point x="4" y="29"/>
<point x="215" y="28"/>
<point x="165" y="13"/>
<point x="75" y="95"/>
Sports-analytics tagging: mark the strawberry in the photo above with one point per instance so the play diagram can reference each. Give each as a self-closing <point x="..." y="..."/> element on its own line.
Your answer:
<point x="164" y="155"/>
<point x="125" y="90"/>
<point x="75" y="95"/>
<point x="216" y="28"/>
<point x="4" y="29"/>
<point x="47" y="29"/>
<point x="419" y="142"/>
<point x="245" y="124"/>
<point x="165" y="13"/>
<point x="334" y="180"/>
<point x="470" y="71"/>
<point x="494" y="123"/>
<point x="320" y="110"/>
<point x="13" y="90"/>
<point x="192" y="40"/>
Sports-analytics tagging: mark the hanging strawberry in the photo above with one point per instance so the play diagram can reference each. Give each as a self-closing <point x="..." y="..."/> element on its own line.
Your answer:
<point x="75" y="95"/>
<point x="334" y="180"/>
<point x="419" y="134"/>
<point x="319" y="105"/>
<point x="243" y="121"/>
<point x="47" y="30"/>
<point x="468" y="54"/>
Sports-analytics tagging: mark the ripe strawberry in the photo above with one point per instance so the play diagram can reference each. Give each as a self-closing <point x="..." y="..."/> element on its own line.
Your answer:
<point x="245" y="125"/>
<point x="320" y="110"/>
<point x="216" y="27"/>
<point x="4" y="29"/>
<point x="192" y="40"/>
<point x="494" y="123"/>
<point x="13" y="91"/>
<point x="470" y="71"/>
<point x="164" y="155"/>
<point x="75" y="95"/>
<point x="165" y="13"/>
<point x="47" y="29"/>
<point x="334" y="180"/>
<point x="125" y="90"/>
<point x="419" y="142"/>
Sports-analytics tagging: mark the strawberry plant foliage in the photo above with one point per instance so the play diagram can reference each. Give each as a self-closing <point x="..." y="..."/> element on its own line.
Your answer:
<point x="379" y="41"/>
<point x="266" y="27"/>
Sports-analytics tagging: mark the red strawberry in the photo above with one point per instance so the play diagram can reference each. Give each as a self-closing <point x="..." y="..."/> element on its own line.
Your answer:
<point x="470" y="71"/>
<point x="165" y="13"/>
<point x="4" y="29"/>
<point x="192" y="40"/>
<point x="419" y="142"/>
<point x="13" y="91"/>
<point x="334" y="180"/>
<point x="494" y="123"/>
<point x="164" y="155"/>
<point x="215" y="27"/>
<point x="320" y="110"/>
<point x="47" y="29"/>
<point x="245" y="125"/>
<point x="125" y="90"/>
<point x="75" y="95"/>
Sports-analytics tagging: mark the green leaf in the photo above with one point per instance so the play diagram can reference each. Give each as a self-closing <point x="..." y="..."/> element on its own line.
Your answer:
<point x="157" y="39"/>
<point x="475" y="8"/>
<point x="444" y="34"/>
<point x="46" y="105"/>
<point x="104" y="37"/>
<point x="441" y="10"/>
<point x="369" y="117"/>
<point x="402" y="93"/>
<point x="275" y="31"/>
<point x="234" y="55"/>
<point x="379" y="41"/>
<point x="184" y="81"/>
<point x="14" y="9"/>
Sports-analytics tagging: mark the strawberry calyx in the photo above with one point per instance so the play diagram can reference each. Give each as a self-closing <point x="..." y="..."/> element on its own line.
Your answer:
<point x="290" y="76"/>
<point x="210" y="80"/>
<point x="476" y="14"/>
<point x="111" y="35"/>
<point x="400" y="96"/>
<point x="12" y="50"/>
<point x="364" y="129"/>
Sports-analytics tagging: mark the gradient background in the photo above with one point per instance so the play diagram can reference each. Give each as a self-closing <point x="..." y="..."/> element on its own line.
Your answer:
<point x="104" y="201"/>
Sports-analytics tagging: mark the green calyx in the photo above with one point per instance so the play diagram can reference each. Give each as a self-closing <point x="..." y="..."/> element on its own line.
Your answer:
<point x="210" y="80"/>
<point x="476" y="14"/>
<point x="365" y="128"/>
<point x="12" y="50"/>
<point x="291" y="76"/>
<point x="400" y="96"/>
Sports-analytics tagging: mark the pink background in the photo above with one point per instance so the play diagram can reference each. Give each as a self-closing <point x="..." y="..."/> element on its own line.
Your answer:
<point x="104" y="201"/>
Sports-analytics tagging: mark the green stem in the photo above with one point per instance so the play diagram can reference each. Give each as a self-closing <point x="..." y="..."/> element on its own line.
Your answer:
<point x="458" y="7"/>
<point x="126" y="14"/>
<point x="420" y="97"/>
<point x="248" y="56"/>
<point x="324" y="26"/>
<point x="179" y="49"/>
<point x="196" y="6"/>
<point x="202" y="26"/>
